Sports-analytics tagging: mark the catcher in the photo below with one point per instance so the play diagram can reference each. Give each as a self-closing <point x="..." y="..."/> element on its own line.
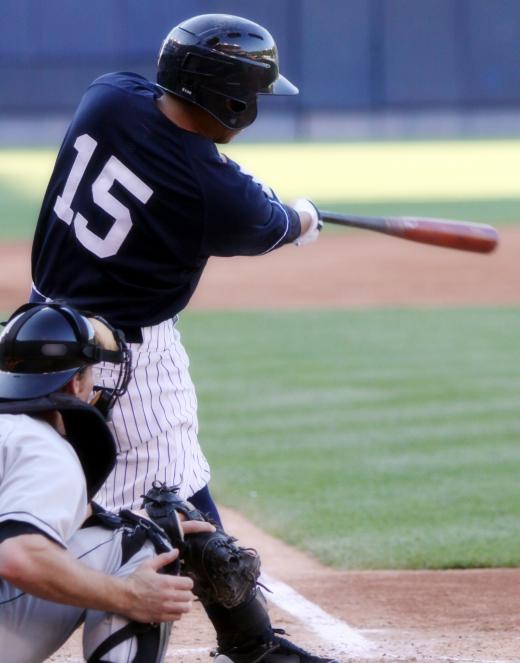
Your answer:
<point x="59" y="567"/>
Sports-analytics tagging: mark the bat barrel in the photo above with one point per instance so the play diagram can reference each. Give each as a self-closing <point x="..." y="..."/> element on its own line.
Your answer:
<point x="461" y="235"/>
<point x="476" y="237"/>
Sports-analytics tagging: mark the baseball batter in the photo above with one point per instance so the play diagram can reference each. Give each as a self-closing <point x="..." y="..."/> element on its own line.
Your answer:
<point x="139" y="199"/>
<point x="55" y="450"/>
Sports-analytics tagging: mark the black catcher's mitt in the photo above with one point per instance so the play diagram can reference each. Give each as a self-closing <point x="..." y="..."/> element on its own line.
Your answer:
<point x="222" y="572"/>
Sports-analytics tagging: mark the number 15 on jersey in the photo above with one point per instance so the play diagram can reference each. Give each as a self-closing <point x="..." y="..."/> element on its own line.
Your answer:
<point x="113" y="170"/>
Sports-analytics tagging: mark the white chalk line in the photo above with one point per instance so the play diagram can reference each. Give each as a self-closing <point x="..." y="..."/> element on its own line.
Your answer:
<point x="342" y="637"/>
<point x="331" y="629"/>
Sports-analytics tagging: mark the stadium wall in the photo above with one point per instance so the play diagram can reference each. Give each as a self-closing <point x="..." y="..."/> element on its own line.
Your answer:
<point x="381" y="59"/>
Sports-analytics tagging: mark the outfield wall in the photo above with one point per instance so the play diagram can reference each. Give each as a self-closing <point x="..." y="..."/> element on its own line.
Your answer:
<point x="346" y="55"/>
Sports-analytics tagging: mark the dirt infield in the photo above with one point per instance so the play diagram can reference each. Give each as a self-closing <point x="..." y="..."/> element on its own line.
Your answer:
<point x="459" y="616"/>
<point x="352" y="269"/>
<point x="411" y="617"/>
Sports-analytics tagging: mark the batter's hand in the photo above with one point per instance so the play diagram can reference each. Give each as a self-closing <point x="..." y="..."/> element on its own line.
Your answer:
<point x="310" y="220"/>
<point x="158" y="597"/>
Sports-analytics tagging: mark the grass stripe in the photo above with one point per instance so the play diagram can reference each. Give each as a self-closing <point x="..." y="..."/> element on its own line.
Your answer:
<point x="420" y="170"/>
<point x="374" y="439"/>
<point x="473" y="180"/>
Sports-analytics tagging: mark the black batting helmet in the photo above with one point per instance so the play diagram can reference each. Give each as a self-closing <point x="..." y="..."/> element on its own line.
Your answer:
<point x="44" y="345"/>
<point x="221" y="63"/>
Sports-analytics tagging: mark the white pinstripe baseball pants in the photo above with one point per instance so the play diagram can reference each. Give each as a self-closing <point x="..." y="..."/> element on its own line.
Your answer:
<point x="155" y="423"/>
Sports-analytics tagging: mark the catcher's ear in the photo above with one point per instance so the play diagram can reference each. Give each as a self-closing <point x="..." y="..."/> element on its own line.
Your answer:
<point x="73" y="386"/>
<point x="80" y="385"/>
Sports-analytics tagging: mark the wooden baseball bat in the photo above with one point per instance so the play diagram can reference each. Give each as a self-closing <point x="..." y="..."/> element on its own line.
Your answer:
<point x="461" y="235"/>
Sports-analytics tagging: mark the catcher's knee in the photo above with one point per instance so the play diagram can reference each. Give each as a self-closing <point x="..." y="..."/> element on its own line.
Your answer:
<point x="222" y="572"/>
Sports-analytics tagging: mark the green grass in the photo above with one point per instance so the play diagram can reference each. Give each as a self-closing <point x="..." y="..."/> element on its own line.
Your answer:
<point x="472" y="180"/>
<point x="496" y="212"/>
<point x="382" y="439"/>
<point x="389" y="171"/>
<point x="23" y="177"/>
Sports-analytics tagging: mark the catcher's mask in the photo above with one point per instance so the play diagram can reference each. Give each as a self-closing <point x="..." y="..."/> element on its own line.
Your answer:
<point x="221" y="63"/>
<point x="44" y="345"/>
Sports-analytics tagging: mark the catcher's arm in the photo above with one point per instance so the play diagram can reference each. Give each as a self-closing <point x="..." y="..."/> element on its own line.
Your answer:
<point x="39" y="566"/>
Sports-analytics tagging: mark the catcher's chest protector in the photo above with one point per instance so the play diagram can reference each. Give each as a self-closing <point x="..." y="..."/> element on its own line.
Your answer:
<point x="86" y="431"/>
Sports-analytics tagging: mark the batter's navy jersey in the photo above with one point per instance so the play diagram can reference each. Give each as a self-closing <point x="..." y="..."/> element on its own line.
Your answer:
<point x="136" y="205"/>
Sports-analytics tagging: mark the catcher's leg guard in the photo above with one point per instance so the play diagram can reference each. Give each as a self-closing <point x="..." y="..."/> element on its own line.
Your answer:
<point x="247" y="623"/>
<point x="222" y="572"/>
<point x="245" y="635"/>
<point x="225" y="578"/>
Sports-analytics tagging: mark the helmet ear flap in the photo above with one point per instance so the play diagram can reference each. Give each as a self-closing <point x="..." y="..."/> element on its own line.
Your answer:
<point x="236" y="106"/>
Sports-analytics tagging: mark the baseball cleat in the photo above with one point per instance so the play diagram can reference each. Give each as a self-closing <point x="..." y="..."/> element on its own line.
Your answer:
<point x="277" y="650"/>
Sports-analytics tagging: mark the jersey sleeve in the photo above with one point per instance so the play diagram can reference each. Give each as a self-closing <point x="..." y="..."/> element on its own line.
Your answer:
<point x="12" y="528"/>
<point x="43" y="484"/>
<point x="242" y="215"/>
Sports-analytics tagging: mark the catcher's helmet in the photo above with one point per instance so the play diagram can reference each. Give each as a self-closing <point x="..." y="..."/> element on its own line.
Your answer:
<point x="220" y="63"/>
<point x="44" y="345"/>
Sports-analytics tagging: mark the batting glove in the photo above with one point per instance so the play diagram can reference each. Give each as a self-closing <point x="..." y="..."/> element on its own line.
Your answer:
<point x="313" y="231"/>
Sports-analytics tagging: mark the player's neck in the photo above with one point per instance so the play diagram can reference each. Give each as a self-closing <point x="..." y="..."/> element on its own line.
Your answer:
<point x="54" y="418"/>
<point x="192" y="118"/>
